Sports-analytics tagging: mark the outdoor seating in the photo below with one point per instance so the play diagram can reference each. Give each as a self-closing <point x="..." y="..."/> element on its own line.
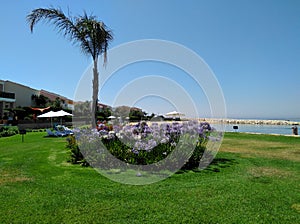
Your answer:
<point x="55" y="134"/>
<point x="63" y="129"/>
<point x="50" y="133"/>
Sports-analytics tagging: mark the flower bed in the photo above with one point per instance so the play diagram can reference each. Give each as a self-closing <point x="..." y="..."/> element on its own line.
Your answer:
<point x="143" y="144"/>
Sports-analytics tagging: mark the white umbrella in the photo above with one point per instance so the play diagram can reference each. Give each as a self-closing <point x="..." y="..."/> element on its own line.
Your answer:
<point x="111" y="117"/>
<point x="49" y="114"/>
<point x="174" y="114"/>
<point x="62" y="113"/>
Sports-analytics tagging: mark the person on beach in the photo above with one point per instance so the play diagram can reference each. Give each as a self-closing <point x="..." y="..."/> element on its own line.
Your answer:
<point x="295" y="130"/>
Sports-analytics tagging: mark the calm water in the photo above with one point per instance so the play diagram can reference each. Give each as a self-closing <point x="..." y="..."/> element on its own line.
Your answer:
<point x="264" y="129"/>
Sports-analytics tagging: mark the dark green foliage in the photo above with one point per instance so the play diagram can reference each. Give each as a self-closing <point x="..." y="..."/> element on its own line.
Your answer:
<point x="103" y="114"/>
<point x="56" y="104"/>
<point x="75" y="156"/>
<point x="136" y="115"/>
<point x="6" y="131"/>
<point x="194" y="160"/>
<point x="40" y="100"/>
<point x="125" y="153"/>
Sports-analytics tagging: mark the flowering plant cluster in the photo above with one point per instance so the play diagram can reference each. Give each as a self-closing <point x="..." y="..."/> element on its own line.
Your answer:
<point x="143" y="144"/>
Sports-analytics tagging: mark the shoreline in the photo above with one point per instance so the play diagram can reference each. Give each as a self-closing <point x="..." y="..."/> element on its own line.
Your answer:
<point x="250" y="121"/>
<point x="258" y="133"/>
<point x="262" y="127"/>
<point x="233" y="121"/>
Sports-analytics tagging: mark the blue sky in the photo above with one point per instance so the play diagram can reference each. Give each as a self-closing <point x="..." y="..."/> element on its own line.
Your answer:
<point x="253" y="48"/>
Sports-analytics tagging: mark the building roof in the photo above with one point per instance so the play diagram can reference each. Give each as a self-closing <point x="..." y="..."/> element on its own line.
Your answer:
<point x="15" y="83"/>
<point x="52" y="95"/>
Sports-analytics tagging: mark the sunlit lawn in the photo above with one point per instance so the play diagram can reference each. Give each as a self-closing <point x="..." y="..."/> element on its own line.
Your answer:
<point x="254" y="179"/>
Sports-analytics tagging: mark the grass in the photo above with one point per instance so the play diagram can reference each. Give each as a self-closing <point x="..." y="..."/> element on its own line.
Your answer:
<point x="254" y="179"/>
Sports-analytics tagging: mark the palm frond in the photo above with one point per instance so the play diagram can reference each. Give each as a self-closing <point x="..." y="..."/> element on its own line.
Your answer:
<point x="62" y="23"/>
<point x="96" y="34"/>
<point x="90" y="34"/>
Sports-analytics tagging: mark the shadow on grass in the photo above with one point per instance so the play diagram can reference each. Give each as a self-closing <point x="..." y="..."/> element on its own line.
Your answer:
<point x="215" y="166"/>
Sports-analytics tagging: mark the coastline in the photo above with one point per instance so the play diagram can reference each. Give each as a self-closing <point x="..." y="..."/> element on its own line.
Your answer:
<point x="248" y="121"/>
<point x="251" y="126"/>
<point x="258" y="133"/>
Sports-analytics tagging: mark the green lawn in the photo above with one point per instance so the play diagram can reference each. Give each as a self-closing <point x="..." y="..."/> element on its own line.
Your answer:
<point x="254" y="179"/>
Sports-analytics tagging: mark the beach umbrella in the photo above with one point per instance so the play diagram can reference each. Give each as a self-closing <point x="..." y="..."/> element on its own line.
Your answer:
<point x="63" y="113"/>
<point x="174" y="114"/>
<point x="49" y="114"/>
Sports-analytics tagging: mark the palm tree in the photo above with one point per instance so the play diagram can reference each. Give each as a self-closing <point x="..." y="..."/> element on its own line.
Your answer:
<point x="91" y="35"/>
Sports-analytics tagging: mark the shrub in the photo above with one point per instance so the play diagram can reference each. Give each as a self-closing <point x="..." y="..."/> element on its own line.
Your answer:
<point x="6" y="131"/>
<point x="141" y="144"/>
<point x="75" y="156"/>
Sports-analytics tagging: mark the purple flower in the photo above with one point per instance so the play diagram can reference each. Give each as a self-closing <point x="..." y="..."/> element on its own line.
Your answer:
<point x="150" y="145"/>
<point x="135" y="151"/>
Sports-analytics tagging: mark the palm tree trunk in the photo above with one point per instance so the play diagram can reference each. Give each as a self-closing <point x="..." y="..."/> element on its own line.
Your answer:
<point x="95" y="93"/>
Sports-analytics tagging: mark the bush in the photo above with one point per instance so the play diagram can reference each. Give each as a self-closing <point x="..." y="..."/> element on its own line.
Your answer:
<point x="75" y="156"/>
<point x="6" y="131"/>
<point x="140" y="144"/>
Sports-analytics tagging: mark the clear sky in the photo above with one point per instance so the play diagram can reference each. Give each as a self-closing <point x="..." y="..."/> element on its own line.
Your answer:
<point x="253" y="48"/>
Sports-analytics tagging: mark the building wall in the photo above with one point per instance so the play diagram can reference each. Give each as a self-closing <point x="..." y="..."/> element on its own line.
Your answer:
<point x="22" y="93"/>
<point x="23" y="96"/>
<point x="5" y="102"/>
<point x="69" y="104"/>
<point x="52" y="96"/>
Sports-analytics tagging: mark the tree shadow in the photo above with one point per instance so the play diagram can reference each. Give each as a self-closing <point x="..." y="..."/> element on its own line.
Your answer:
<point x="220" y="163"/>
<point x="215" y="166"/>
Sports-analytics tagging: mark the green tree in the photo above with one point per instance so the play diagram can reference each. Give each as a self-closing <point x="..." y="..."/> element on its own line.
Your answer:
<point x="56" y="104"/>
<point x="104" y="113"/>
<point x="40" y="100"/>
<point x="136" y="114"/>
<point x="90" y="34"/>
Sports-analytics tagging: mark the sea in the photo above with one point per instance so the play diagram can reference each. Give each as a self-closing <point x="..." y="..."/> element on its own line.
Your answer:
<point x="262" y="129"/>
